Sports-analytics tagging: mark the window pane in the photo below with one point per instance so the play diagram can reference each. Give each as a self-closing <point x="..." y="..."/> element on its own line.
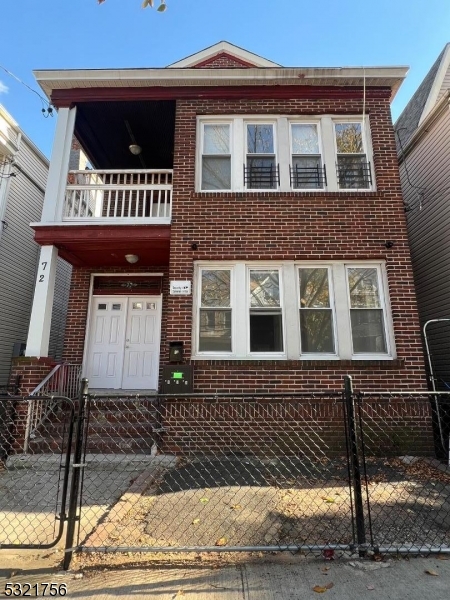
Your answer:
<point x="368" y="331"/>
<point x="349" y="138"/>
<point x="216" y="173"/>
<point x="266" y="332"/>
<point x="216" y="288"/>
<point x="353" y="172"/>
<point x="364" y="288"/>
<point x="307" y="172"/>
<point x="216" y="139"/>
<point x="261" y="173"/>
<point x="215" y="331"/>
<point x="264" y="289"/>
<point x="316" y="331"/>
<point x="305" y="139"/>
<point x="260" y="139"/>
<point x="314" y="291"/>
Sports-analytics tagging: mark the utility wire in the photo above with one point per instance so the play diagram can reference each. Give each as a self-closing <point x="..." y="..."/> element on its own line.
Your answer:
<point x="47" y="108"/>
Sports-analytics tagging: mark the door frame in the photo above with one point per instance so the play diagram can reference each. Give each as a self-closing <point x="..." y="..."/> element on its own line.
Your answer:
<point x="90" y="304"/>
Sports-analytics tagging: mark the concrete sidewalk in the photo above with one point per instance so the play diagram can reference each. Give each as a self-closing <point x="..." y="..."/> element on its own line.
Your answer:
<point x="280" y="577"/>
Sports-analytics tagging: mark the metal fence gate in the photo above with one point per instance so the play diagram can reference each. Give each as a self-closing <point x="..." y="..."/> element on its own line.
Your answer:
<point x="35" y="448"/>
<point x="311" y="472"/>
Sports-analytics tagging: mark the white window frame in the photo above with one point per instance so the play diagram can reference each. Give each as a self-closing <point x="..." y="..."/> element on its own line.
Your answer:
<point x="367" y="147"/>
<point x="387" y="326"/>
<point x="265" y="267"/>
<point x="283" y="149"/>
<point x="317" y="123"/>
<point x="229" y="123"/>
<point x="261" y="121"/>
<point x="331" y="291"/>
<point x="289" y="302"/>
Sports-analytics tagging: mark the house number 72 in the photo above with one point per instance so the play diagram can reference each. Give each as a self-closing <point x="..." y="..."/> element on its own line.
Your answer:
<point x="41" y="277"/>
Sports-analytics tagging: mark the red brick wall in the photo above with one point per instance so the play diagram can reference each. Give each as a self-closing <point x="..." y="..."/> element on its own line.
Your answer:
<point x="222" y="61"/>
<point x="28" y="372"/>
<point x="296" y="226"/>
<point x="78" y="308"/>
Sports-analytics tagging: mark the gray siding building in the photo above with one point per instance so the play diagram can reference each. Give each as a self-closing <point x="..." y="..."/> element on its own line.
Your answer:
<point x="23" y="176"/>
<point x="423" y="144"/>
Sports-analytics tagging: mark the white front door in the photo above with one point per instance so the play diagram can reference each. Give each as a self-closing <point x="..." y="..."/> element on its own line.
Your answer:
<point x="124" y="341"/>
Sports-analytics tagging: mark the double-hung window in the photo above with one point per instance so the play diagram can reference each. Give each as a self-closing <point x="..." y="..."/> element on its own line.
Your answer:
<point x="216" y="156"/>
<point x="292" y="310"/>
<point x="306" y="169"/>
<point x="215" y="330"/>
<point x="254" y="153"/>
<point x="353" y="168"/>
<point x="317" y="333"/>
<point x="260" y="169"/>
<point x="366" y="310"/>
<point x="266" y="319"/>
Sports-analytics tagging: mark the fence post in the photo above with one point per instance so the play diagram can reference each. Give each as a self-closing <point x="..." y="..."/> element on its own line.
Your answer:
<point x="354" y="461"/>
<point x="76" y="466"/>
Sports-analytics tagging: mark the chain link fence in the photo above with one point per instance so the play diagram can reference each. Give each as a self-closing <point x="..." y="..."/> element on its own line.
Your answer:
<point x="34" y="470"/>
<point x="311" y="472"/>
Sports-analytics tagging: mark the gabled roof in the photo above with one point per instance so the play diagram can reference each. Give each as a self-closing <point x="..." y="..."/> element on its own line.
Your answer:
<point x="424" y="99"/>
<point x="207" y="57"/>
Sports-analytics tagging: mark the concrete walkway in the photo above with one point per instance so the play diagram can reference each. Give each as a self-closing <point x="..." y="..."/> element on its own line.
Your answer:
<point x="276" y="577"/>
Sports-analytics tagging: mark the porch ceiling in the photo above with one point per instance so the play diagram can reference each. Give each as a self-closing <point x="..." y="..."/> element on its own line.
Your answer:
<point x="106" y="246"/>
<point x="106" y="130"/>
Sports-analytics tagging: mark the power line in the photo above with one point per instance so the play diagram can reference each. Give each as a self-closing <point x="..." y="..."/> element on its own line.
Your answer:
<point x="47" y="108"/>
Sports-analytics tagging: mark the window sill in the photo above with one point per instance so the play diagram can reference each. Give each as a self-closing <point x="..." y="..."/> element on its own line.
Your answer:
<point x="385" y="363"/>
<point x="284" y="194"/>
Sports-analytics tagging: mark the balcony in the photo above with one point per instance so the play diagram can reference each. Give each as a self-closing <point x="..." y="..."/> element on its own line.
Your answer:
<point x="123" y="197"/>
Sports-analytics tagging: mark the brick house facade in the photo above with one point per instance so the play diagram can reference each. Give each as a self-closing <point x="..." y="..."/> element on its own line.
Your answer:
<point x="246" y="230"/>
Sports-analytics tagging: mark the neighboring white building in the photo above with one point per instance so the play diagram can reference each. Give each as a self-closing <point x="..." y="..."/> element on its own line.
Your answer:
<point x="23" y="177"/>
<point x="423" y="145"/>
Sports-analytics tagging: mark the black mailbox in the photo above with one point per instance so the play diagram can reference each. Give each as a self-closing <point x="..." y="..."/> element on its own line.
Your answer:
<point x="177" y="379"/>
<point x="175" y="351"/>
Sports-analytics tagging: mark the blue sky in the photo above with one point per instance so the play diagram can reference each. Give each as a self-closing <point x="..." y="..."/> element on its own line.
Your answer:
<point x="57" y="34"/>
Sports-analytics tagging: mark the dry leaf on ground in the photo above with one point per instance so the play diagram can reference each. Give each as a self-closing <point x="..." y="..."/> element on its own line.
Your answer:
<point x="221" y="542"/>
<point x="431" y="572"/>
<point x="320" y="589"/>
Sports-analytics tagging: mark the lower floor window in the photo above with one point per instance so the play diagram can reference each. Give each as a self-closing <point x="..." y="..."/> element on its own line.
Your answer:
<point x="292" y="310"/>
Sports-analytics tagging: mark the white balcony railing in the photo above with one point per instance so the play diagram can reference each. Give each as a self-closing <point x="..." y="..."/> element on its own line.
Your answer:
<point x="133" y="195"/>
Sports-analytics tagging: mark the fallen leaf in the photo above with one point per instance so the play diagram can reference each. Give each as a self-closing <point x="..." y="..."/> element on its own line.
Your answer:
<point x="320" y="589"/>
<point x="221" y="542"/>
<point x="431" y="572"/>
<point x="377" y="557"/>
<point x="370" y="587"/>
<point x="195" y="521"/>
<point x="325" y="569"/>
<point x="329" y="585"/>
<point x="236" y="507"/>
<point x="328" y="554"/>
<point x="329" y="500"/>
<point x="443" y="557"/>
<point x="204" y="500"/>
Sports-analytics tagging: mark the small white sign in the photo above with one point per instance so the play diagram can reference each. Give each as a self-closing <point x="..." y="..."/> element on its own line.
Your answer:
<point x="180" y="288"/>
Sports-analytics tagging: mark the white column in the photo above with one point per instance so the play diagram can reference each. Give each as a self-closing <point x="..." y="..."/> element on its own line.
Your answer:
<point x="59" y="166"/>
<point x="41" y="313"/>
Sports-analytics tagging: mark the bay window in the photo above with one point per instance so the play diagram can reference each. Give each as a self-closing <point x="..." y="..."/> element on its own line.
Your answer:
<point x="292" y="310"/>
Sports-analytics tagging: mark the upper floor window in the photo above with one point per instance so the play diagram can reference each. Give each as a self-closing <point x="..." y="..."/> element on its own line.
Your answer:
<point x="260" y="171"/>
<point x="239" y="153"/>
<point x="216" y="157"/>
<point x="307" y="171"/>
<point x="353" y="168"/>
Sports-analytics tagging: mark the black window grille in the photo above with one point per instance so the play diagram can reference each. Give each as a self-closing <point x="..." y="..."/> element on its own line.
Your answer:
<point x="311" y="177"/>
<point x="265" y="177"/>
<point x="353" y="173"/>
